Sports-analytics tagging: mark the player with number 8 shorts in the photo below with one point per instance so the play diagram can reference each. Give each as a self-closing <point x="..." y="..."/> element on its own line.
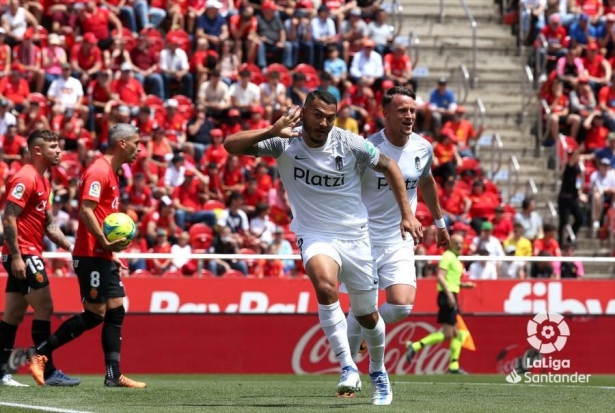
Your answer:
<point x="27" y="219"/>
<point x="97" y="268"/>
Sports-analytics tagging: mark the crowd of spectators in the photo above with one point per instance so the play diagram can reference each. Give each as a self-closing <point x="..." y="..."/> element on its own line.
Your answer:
<point x="190" y="73"/>
<point x="575" y="41"/>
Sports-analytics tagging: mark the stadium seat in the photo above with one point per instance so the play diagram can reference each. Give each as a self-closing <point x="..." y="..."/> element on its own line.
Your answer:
<point x="156" y="41"/>
<point x="172" y="274"/>
<point x="213" y="204"/>
<point x="566" y="141"/>
<point x="185" y="106"/>
<point x="312" y="80"/>
<point x="151" y="100"/>
<point x="256" y="76"/>
<point x="141" y="274"/>
<point x="201" y="237"/>
<point x="285" y="77"/>
<point x="207" y="274"/>
<point x="234" y="274"/>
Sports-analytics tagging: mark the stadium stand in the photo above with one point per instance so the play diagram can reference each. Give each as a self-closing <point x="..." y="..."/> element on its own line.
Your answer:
<point x="210" y="69"/>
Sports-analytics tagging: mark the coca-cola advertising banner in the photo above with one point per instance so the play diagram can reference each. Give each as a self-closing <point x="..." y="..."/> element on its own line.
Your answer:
<point x="296" y="296"/>
<point x="295" y="344"/>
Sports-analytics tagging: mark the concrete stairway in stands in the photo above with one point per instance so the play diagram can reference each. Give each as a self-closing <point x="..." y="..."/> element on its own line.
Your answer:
<point x="443" y="47"/>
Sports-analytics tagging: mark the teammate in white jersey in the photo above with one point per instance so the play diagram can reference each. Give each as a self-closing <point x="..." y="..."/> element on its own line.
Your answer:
<point x="320" y="167"/>
<point x="394" y="257"/>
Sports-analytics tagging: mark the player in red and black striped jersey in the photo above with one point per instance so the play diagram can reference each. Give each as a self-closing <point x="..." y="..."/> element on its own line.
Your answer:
<point x="97" y="268"/>
<point x="27" y="219"/>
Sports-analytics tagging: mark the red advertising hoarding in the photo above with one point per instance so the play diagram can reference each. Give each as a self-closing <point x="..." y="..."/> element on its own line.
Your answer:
<point x="296" y="296"/>
<point x="295" y="344"/>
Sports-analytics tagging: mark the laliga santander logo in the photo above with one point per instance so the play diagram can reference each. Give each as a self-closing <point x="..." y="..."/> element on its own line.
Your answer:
<point x="547" y="332"/>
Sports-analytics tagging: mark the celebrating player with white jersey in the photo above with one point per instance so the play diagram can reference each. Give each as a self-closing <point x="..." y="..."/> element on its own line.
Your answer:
<point x="394" y="257"/>
<point x="320" y="168"/>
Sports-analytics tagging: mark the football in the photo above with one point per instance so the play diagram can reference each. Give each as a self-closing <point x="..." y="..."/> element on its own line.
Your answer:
<point x="119" y="225"/>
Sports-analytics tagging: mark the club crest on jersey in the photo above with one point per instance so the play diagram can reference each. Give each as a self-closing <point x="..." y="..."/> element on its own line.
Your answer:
<point x="18" y="191"/>
<point x="417" y="163"/>
<point x="339" y="163"/>
<point x="93" y="293"/>
<point x="94" y="189"/>
<point x="39" y="277"/>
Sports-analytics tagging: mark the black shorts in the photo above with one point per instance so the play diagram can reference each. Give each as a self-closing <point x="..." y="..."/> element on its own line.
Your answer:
<point x="447" y="314"/>
<point x="99" y="279"/>
<point x="36" y="275"/>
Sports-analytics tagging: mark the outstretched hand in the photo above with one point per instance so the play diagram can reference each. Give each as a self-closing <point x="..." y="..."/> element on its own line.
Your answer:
<point x="443" y="238"/>
<point x="285" y="125"/>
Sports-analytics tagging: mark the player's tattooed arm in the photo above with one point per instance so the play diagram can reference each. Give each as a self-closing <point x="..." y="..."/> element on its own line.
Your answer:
<point x="384" y="162"/>
<point x="9" y="221"/>
<point x="54" y="233"/>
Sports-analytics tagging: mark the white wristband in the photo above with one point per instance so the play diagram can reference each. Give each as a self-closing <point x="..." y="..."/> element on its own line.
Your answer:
<point x="440" y="223"/>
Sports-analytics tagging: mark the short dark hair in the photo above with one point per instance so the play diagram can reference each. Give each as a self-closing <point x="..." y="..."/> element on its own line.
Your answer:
<point x="389" y="94"/>
<point x="214" y="73"/>
<point x="323" y="95"/>
<point x="297" y="76"/>
<point x="41" y="134"/>
<point x="526" y="202"/>
<point x="548" y="228"/>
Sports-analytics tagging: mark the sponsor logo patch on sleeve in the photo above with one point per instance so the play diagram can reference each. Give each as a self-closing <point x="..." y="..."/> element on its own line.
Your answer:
<point x="371" y="149"/>
<point x="18" y="191"/>
<point x="94" y="189"/>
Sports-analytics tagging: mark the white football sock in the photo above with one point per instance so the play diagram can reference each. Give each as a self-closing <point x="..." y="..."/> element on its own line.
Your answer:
<point x="375" y="339"/>
<point x="392" y="313"/>
<point x="333" y="323"/>
<point x="355" y="335"/>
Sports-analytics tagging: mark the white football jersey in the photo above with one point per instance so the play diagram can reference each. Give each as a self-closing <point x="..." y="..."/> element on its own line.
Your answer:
<point x="414" y="160"/>
<point x="324" y="184"/>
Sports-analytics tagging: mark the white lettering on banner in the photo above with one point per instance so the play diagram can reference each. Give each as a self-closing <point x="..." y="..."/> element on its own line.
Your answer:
<point x="518" y="302"/>
<point x="313" y="355"/>
<point x="250" y="302"/>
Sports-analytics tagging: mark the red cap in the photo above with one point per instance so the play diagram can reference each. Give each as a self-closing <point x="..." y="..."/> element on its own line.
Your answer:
<point x="592" y="46"/>
<point x="172" y="39"/>
<point x="258" y="109"/>
<point x="460" y="109"/>
<point x="189" y="172"/>
<point x="90" y="38"/>
<point x="387" y="84"/>
<point x="268" y="5"/>
<point x="216" y="133"/>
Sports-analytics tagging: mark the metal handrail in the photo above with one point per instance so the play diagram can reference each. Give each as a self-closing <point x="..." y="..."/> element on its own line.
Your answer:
<point x="394" y="8"/>
<point x="541" y="62"/>
<point x="461" y="82"/>
<point x="478" y="122"/>
<point x="496" y="144"/>
<point x="532" y="189"/>
<point x="583" y="173"/>
<point x="543" y="125"/>
<point x="413" y="48"/>
<point x="513" y="169"/>
<point x="521" y="35"/>
<point x="527" y="91"/>
<point x="552" y="209"/>
<point x="474" y="27"/>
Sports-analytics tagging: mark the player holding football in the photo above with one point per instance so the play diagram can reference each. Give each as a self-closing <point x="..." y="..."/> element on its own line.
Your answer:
<point x="320" y="168"/>
<point x="26" y="219"/>
<point x="395" y="257"/>
<point x="97" y="268"/>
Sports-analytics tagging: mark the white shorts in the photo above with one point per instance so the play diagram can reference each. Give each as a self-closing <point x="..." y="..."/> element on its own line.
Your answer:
<point x="354" y="258"/>
<point x="395" y="264"/>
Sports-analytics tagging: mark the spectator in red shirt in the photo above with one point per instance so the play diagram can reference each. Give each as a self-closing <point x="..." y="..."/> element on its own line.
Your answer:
<point x="97" y="20"/>
<point x="606" y="101"/>
<point x="162" y="245"/>
<point x="464" y="131"/>
<point x="242" y="28"/>
<point x="215" y="153"/>
<point x="5" y="55"/>
<point x="12" y="144"/>
<point x="29" y="56"/>
<point x="174" y="122"/>
<point x="86" y="58"/>
<point x="140" y="195"/>
<point x="502" y="226"/>
<point x="14" y="87"/>
<point x="595" y="133"/>
<point x="127" y="90"/>
<point x="455" y="204"/>
<point x="597" y="68"/>
<point x="30" y="118"/>
<point x="265" y="183"/>
<point x="446" y="158"/>
<point x="555" y="34"/>
<point x="547" y="243"/>
<point x="188" y="200"/>
<point x="161" y="217"/>
<point x="560" y="112"/>
<point x="214" y="189"/>
<point x="256" y="120"/>
<point x="252" y="196"/>
<point x="398" y="67"/>
<point x="233" y="178"/>
<point x="483" y="205"/>
<point x="145" y="66"/>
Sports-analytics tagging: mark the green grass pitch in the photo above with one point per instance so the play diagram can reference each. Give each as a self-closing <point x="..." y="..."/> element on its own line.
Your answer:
<point x="267" y="393"/>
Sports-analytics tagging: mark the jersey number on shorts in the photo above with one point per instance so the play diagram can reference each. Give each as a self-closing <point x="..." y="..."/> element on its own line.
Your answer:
<point x="35" y="264"/>
<point x="95" y="279"/>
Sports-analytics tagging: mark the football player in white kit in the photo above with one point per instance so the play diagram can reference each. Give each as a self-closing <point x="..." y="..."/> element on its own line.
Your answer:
<point x="320" y="168"/>
<point x="394" y="256"/>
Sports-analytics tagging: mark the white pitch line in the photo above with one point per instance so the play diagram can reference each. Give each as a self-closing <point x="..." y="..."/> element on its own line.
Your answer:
<point x="41" y="408"/>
